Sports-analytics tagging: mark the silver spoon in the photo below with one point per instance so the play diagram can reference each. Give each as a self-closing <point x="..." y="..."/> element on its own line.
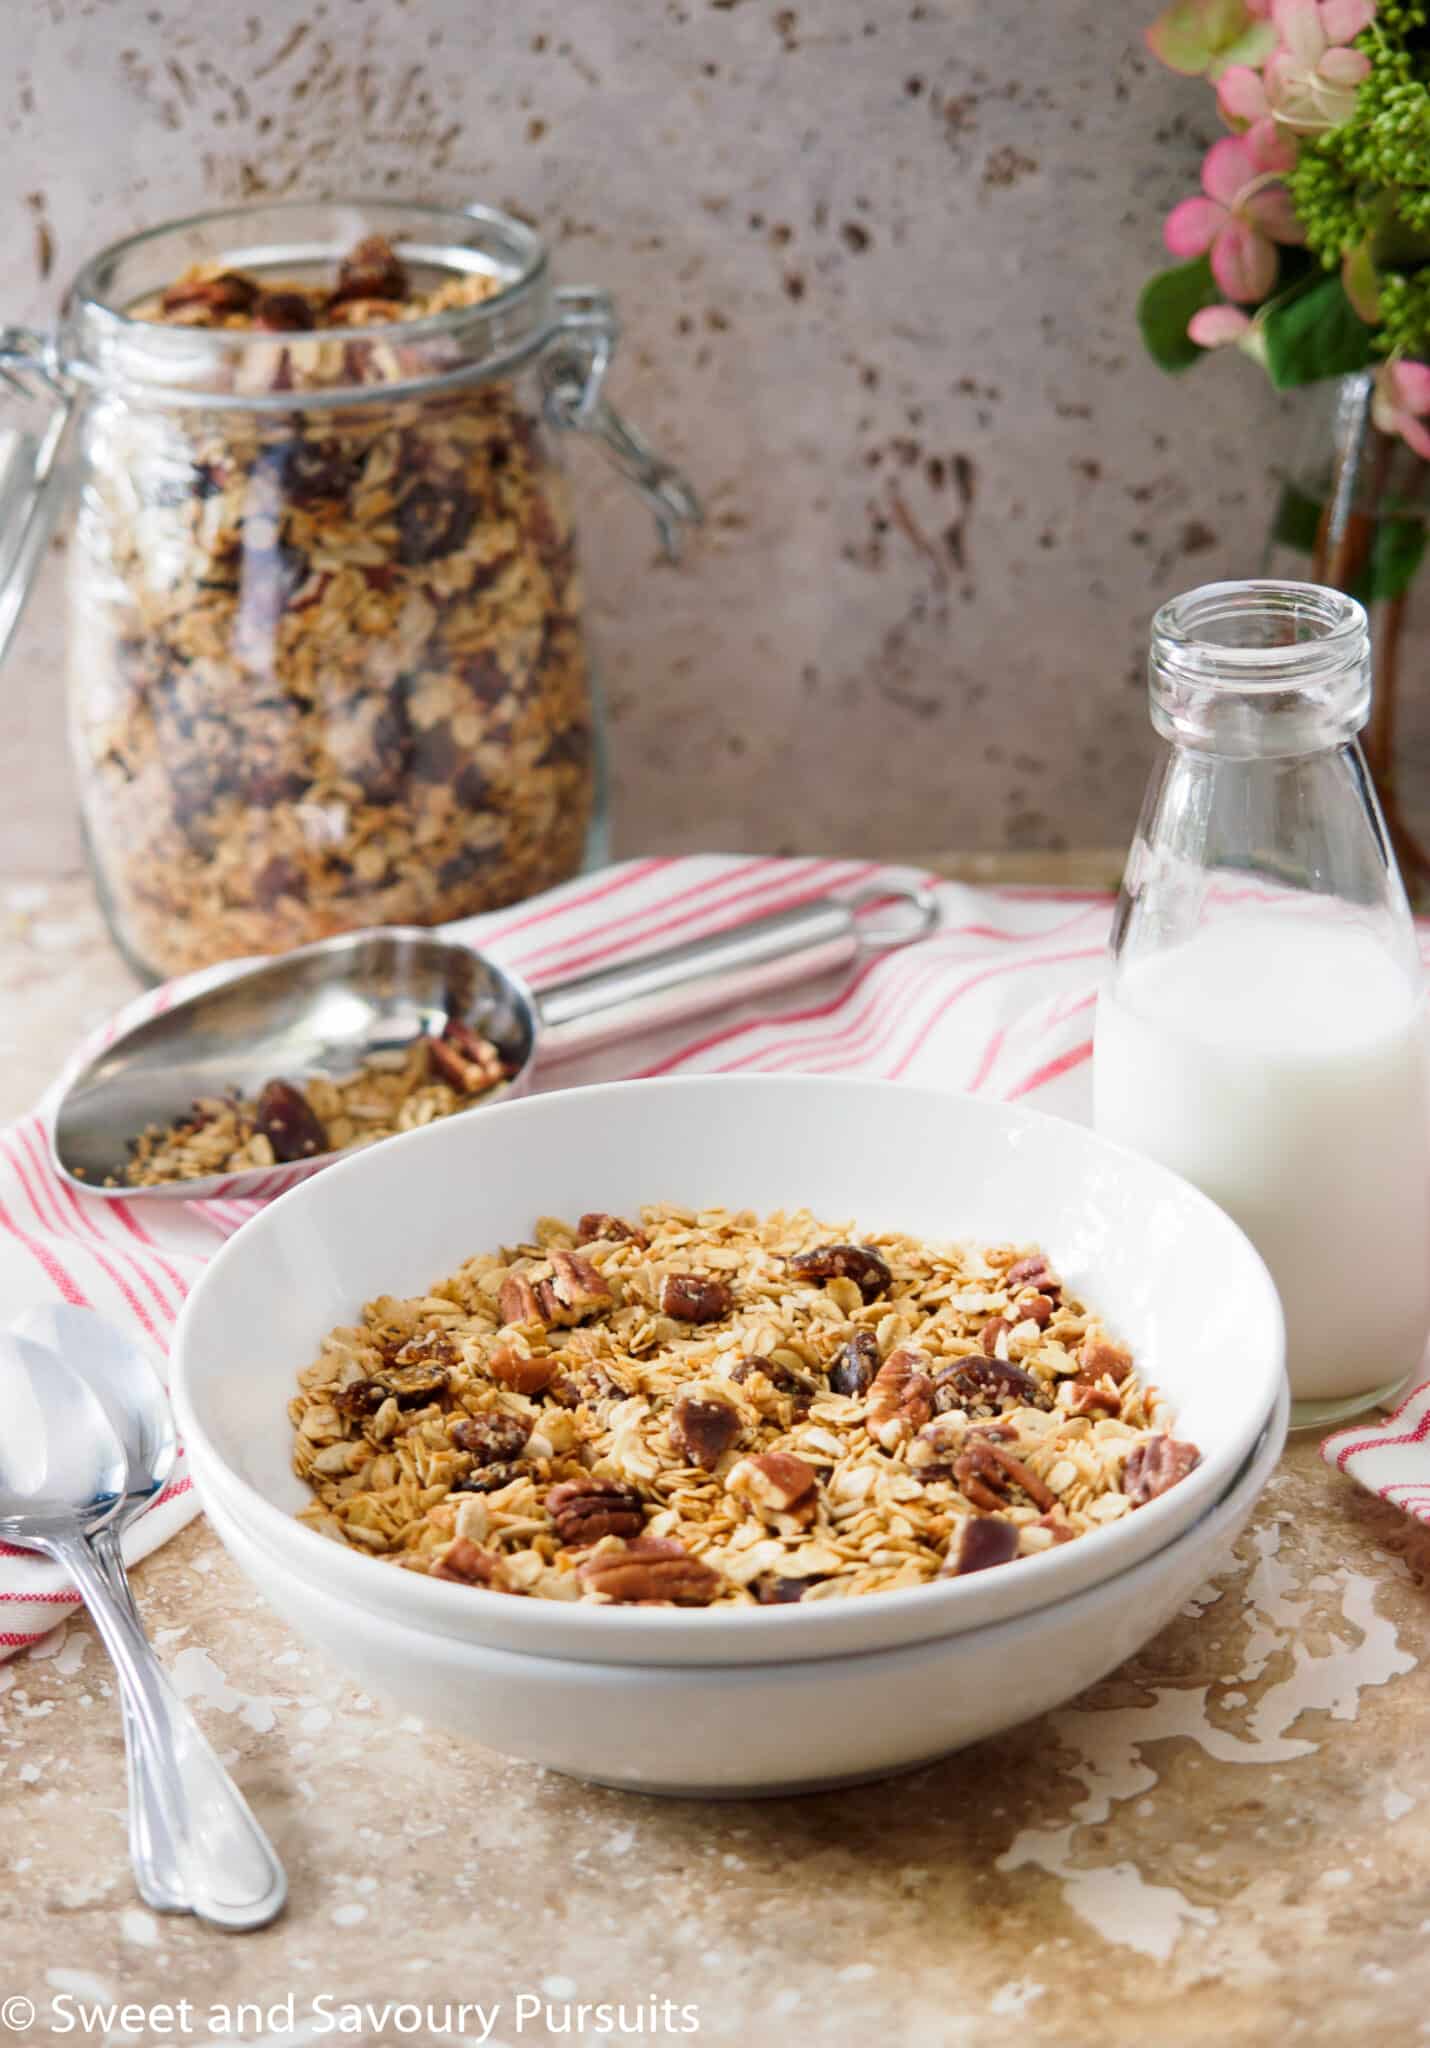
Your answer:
<point x="326" y="1008"/>
<point x="137" y="1410"/>
<point x="64" y="1477"/>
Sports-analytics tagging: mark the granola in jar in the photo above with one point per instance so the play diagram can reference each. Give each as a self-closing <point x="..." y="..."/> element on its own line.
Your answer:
<point x="326" y="658"/>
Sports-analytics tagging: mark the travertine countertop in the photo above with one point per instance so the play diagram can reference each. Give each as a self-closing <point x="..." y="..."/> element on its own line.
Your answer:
<point x="1225" y="1842"/>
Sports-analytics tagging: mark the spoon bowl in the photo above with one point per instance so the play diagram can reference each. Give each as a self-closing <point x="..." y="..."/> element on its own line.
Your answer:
<point x="62" y="1469"/>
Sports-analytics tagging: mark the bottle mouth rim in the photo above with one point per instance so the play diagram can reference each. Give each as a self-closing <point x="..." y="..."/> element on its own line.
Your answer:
<point x="1259" y="635"/>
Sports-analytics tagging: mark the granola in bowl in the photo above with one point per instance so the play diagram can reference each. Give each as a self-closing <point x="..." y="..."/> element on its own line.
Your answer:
<point x="714" y="1408"/>
<point x="327" y="665"/>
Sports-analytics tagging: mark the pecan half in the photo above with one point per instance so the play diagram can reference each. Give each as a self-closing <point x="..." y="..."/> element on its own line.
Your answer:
<point x="695" y="1298"/>
<point x="210" y="296"/>
<point x="523" y="1372"/>
<point x="490" y="1439"/>
<point x="1156" y="1465"/>
<point x="900" y="1400"/>
<point x="464" y="1058"/>
<point x="1028" y="1305"/>
<point x="988" y="1336"/>
<point x="702" y="1429"/>
<point x="1099" y="1356"/>
<point x="856" y="1262"/>
<point x="517" y="1300"/>
<point x="986" y="1386"/>
<point x="463" y="1561"/>
<point x="596" y="1226"/>
<point x="986" y="1471"/>
<point x="650" y="1570"/>
<point x="584" y="1510"/>
<point x="855" y="1365"/>
<point x="1091" y="1399"/>
<point x="288" y="1123"/>
<point x="980" y="1541"/>
<point x="574" y="1291"/>
<point x="1033" y="1271"/>
<point x="776" y="1483"/>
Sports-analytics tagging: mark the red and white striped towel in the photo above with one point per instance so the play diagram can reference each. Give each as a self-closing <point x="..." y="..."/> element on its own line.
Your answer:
<point x="999" y="1000"/>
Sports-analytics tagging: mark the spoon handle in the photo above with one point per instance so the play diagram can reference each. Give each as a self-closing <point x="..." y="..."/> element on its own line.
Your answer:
<point x="229" y="1873"/>
<point x="152" y="1847"/>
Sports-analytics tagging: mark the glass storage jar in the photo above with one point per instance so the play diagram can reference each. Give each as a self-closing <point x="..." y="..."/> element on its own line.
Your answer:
<point x="326" y="658"/>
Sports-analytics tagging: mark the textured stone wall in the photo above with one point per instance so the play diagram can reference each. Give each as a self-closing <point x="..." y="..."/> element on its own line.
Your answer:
<point x="877" y="265"/>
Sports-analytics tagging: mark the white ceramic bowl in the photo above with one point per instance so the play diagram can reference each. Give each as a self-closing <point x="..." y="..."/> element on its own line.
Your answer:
<point x="1168" y="1270"/>
<point x="761" y="1728"/>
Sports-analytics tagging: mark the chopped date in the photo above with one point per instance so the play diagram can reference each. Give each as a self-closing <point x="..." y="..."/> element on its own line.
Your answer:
<point x="488" y="1478"/>
<point x="433" y="520"/>
<point x="282" y="313"/>
<point x="463" y="866"/>
<point x="311" y="471"/>
<point x="361" y="1398"/>
<point x="783" y="1378"/>
<point x="855" y="1365"/>
<point x="772" y="1591"/>
<point x="280" y="877"/>
<point x="288" y="1122"/>
<point x="980" y="1542"/>
<point x="695" y="1298"/>
<point x="1033" y="1271"/>
<point x="1100" y="1358"/>
<point x="584" y="1510"/>
<point x="856" y="1262"/>
<point x="986" y="1386"/>
<point x="1156" y="1465"/>
<point x="702" y="1429"/>
<point x="490" y="1439"/>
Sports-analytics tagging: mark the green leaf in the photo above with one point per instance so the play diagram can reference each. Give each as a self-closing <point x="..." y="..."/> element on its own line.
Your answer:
<point x="1298" y="520"/>
<point x="1396" y="553"/>
<point x="1313" y="334"/>
<point x="1167" y="303"/>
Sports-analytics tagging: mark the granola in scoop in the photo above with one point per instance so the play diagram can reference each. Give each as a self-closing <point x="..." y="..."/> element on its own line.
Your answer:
<point x="327" y="661"/>
<point x="716" y="1408"/>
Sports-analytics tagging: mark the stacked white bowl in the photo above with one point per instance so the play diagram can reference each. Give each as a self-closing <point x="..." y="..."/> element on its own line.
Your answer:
<point x="739" y="1700"/>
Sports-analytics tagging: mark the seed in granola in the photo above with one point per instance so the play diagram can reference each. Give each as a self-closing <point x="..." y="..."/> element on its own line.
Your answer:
<point x="986" y="1386"/>
<point x="979" y="1542"/>
<point x="524" y="1372"/>
<point x="287" y="1121"/>
<point x="598" y="1227"/>
<point x="370" y="270"/>
<point x="856" y="1262"/>
<point x="282" y="312"/>
<point x="468" y="1565"/>
<point x="775" y="1483"/>
<point x="575" y="1290"/>
<point x="228" y="292"/>
<point x="649" y="1571"/>
<point x="1156" y="1465"/>
<point x="694" y="1298"/>
<point x="490" y="1439"/>
<point x="586" y="1509"/>
<point x="433" y="520"/>
<point x="900" y="1400"/>
<point x="702" y="1429"/>
<point x="855" y="1365"/>
<point x="517" y="1300"/>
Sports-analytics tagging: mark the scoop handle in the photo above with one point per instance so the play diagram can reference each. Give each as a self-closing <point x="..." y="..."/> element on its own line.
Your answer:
<point x="731" y="966"/>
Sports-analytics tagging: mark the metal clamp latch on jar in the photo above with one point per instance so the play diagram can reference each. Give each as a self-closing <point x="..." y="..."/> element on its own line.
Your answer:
<point x="585" y="337"/>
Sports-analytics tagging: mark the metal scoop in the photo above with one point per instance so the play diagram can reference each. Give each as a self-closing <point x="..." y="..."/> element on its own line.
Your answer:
<point x="326" y="1008"/>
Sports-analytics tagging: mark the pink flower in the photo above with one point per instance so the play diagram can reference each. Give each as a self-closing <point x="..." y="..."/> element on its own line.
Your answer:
<point x="1402" y="399"/>
<point x="1218" y="326"/>
<point x="1242" y="102"/>
<point x="1311" y="79"/>
<point x="1245" y="212"/>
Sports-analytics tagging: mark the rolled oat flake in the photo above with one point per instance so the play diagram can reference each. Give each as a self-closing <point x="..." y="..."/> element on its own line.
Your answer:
<point x="327" y="663"/>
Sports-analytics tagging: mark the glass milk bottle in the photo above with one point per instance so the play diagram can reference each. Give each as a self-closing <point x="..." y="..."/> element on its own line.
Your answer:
<point x="1261" y="1026"/>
